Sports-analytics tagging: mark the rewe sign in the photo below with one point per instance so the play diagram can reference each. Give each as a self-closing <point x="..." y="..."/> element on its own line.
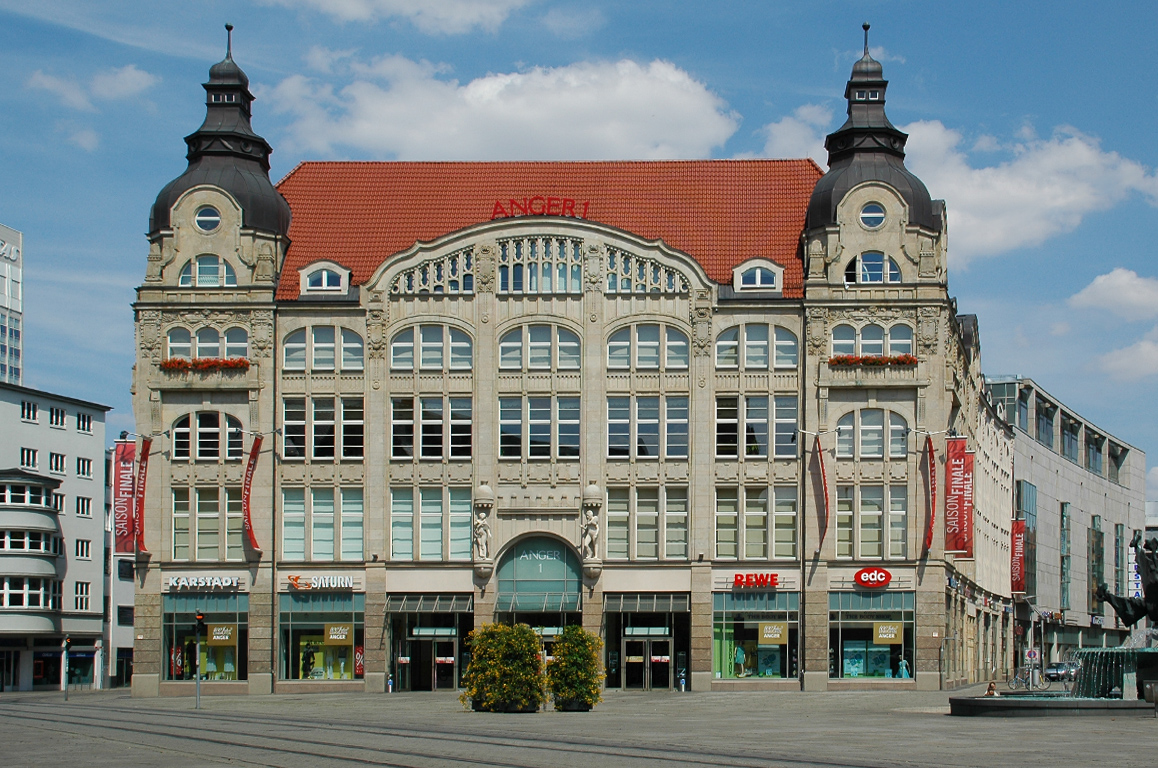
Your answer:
<point x="872" y="578"/>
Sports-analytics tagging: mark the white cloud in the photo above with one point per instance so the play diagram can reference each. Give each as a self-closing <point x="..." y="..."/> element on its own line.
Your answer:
<point x="573" y="23"/>
<point x="122" y="83"/>
<point x="85" y="138"/>
<point x="1045" y="190"/>
<point x="323" y="59"/>
<point x="400" y="108"/>
<point x="801" y="134"/>
<point x="449" y="17"/>
<point x="71" y="93"/>
<point x="1137" y="361"/>
<point x="1122" y="292"/>
<point x="879" y="53"/>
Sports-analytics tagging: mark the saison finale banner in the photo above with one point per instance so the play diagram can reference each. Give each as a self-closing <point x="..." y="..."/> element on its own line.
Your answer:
<point x="1017" y="559"/>
<point x="958" y="498"/>
<point x="125" y="531"/>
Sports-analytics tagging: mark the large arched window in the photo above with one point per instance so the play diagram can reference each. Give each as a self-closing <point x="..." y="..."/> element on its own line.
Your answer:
<point x="329" y="348"/>
<point x="539" y="348"/>
<point x="208" y="343"/>
<point x="872" y="433"/>
<point x="236" y="343"/>
<point x="757" y="347"/>
<point x="843" y="340"/>
<point x="871" y="268"/>
<point x="207" y="272"/>
<point x="872" y="340"/>
<point x="647" y="346"/>
<point x="180" y="343"/>
<point x="900" y="340"/>
<point x="431" y="348"/>
<point x="201" y="437"/>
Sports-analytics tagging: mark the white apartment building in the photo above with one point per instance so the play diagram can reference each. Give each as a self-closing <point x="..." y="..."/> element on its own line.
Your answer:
<point x="11" y="305"/>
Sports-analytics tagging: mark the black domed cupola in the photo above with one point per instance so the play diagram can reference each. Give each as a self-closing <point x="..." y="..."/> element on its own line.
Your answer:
<point x="226" y="153"/>
<point x="868" y="148"/>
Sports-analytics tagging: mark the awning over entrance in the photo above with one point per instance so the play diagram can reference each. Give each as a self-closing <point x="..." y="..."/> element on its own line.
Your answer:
<point x="429" y="603"/>
<point x="663" y="602"/>
<point x="539" y="575"/>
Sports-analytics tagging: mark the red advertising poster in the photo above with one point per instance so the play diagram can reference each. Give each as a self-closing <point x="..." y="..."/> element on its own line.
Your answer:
<point x="931" y="457"/>
<point x="359" y="661"/>
<point x="246" y="485"/>
<point x="123" y="529"/>
<point x="958" y="498"/>
<point x="1017" y="559"/>
<point x="139" y="507"/>
<point x="824" y="484"/>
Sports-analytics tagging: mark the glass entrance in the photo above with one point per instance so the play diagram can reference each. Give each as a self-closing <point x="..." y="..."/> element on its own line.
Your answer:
<point x="9" y="670"/>
<point x="647" y="664"/>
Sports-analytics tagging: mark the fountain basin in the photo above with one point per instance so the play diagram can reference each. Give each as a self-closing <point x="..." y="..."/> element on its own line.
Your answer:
<point x="1045" y="705"/>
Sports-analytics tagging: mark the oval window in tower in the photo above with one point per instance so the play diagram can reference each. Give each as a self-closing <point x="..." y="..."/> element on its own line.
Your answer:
<point x="207" y="218"/>
<point x="872" y="215"/>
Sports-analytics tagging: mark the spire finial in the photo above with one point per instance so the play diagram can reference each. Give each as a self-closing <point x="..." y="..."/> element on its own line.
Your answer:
<point x="229" y="41"/>
<point x="865" y="27"/>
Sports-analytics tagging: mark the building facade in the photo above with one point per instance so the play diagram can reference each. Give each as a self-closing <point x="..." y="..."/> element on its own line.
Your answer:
<point x="11" y="305"/>
<point x="702" y="408"/>
<point x="51" y="539"/>
<point x="1080" y="492"/>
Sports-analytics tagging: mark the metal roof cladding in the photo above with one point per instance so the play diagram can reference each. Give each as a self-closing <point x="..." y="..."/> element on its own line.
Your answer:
<point x="719" y="212"/>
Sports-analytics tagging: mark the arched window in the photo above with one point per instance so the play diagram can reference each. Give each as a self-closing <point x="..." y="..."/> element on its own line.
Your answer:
<point x="862" y="434"/>
<point x="294" y="350"/>
<point x="787" y="349"/>
<point x="207" y="272"/>
<point x="180" y="343"/>
<point x="900" y="340"/>
<point x="756" y="347"/>
<point x="898" y="436"/>
<point x="539" y="348"/>
<point x="236" y="343"/>
<point x="353" y="357"/>
<point x="324" y="280"/>
<point x="200" y="436"/>
<point x="843" y="340"/>
<point x="439" y="348"/>
<point x="871" y="268"/>
<point x="208" y="343"/>
<point x="647" y="347"/>
<point x="872" y="341"/>
<point x="845" y="436"/>
<point x="872" y="436"/>
<point x="728" y="349"/>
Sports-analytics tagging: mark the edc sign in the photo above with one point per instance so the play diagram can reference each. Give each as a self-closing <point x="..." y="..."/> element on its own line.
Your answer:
<point x="872" y="578"/>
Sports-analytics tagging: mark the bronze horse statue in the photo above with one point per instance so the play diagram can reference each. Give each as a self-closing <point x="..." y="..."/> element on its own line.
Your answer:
<point x="1131" y="610"/>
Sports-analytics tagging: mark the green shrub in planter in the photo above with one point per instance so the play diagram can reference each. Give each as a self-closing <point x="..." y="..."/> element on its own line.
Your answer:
<point x="573" y="675"/>
<point x="505" y="673"/>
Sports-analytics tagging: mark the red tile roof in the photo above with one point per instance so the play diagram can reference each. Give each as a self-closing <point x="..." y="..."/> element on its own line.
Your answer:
<point x="720" y="212"/>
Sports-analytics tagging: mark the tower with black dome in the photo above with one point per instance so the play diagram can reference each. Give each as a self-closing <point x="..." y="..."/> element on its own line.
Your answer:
<point x="205" y="352"/>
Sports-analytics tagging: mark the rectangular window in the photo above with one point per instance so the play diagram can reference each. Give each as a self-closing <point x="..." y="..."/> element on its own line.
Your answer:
<point x="56" y="417"/>
<point x="872" y="436"/>
<point x="568" y="421"/>
<point x="81" y="596"/>
<point x="786" y="429"/>
<point x="784" y="523"/>
<point x="844" y="502"/>
<point x="647" y="427"/>
<point x="430" y="337"/>
<point x="727" y="426"/>
<point x="294" y="428"/>
<point x="323" y="427"/>
<point x="898" y="522"/>
<point x="294" y="524"/>
<point x="353" y="515"/>
<point x="727" y="514"/>
<point x="619" y="427"/>
<point x="647" y="523"/>
<point x="234" y="525"/>
<point x="460" y="523"/>
<point x="353" y="428"/>
<point x="1071" y="432"/>
<point x="618" y="516"/>
<point x="871" y="511"/>
<point x="28" y="410"/>
<point x="431" y="524"/>
<point x="323" y="337"/>
<point x="208" y="523"/>
<point x="322" y="524"/>
<point x="461" y="420"/>
<point x="432" y="425"/>
<point x="180" y="523"/>
<point x="402" y="427"/>
<point x="676" y="523"/>
<point x="401" y="524"/>
<point x="756" y="523"/>
<point x="1066" y="556"/>
<point x="57" y="501"/>
<point x="124" y="615"/>
<point x="436" y="431"/>
<point x="511" y="427"/>
<point x="548" y="426"/>
<point x="28" y="458"/>
<point x="83" y="549"/>
<point x="84" y="468"/>
<point x="756" y="426"/>
<point x="83" y="422"/>
<point x="647" y="347"/>
<point x="1094" y="453"/>
<point x="1043" y="415"/>
<point x="676" y="426"/>
<point x="755" y="346"/>
<point x="56" y="462"/>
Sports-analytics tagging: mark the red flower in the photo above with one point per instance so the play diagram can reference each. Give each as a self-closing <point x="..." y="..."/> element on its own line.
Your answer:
<point x="205" y="364"/>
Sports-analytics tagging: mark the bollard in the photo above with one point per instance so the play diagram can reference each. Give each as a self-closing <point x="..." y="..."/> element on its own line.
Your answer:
<point x="390" y="684"/>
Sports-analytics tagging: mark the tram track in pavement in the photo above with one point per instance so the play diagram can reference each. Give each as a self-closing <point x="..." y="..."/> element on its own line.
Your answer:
<point x="548" y="746"/>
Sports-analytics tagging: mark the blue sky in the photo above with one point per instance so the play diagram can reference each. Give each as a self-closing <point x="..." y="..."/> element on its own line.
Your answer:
<point x="1034" y="121"/>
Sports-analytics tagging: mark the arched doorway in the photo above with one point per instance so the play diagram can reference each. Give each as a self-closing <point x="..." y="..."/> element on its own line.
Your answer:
<point x="540" y="582"/>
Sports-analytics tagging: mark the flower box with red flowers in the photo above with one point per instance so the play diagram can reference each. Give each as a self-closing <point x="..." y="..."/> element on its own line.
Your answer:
<point x="205" y="364"/>
<point x="870" y="361"/>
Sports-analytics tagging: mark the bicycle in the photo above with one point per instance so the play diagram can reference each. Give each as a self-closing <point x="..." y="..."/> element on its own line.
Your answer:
<point x="1024" y="679"/>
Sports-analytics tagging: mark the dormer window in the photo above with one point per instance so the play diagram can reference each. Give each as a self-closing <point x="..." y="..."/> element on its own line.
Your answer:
<point x="758" y="275"/>
<point x="324" y="280"/>
<point x="872" y="267"/>
<point x="207" y="272"/>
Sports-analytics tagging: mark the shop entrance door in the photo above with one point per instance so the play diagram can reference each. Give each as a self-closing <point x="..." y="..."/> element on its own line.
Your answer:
<point x="444" y="665"/>
<point x="9" y="670"/>
<point x="433" y="665"/>
<point x="647" y="664"/>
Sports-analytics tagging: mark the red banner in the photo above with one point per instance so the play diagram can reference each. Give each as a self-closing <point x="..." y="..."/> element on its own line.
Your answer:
<point x="124" y="531"/>
<point x="824" y="484"/>
<point x="139" y="491"/>
<point x="931" y="457"/>
<point x="958" y="498"/>
<point x="246" y="485"/>
<point x="1017" y="559"/>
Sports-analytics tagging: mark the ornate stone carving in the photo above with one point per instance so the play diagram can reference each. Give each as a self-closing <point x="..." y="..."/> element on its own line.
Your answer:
<point x="484" y="270"/>
<point x="149" y="335"/>
<point x="816" y="258"/>
<point x="376" y="334"/>
<point x="927" y="330"/>
<point x="261" y="335"/>
<point x="265" y="268"/>
<point x="817" y="338"/>
<point x="154" y="265"/>
<point x="593" y="278"/>
<point x="701" y="317"/>
<point x="482" y="532"/>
